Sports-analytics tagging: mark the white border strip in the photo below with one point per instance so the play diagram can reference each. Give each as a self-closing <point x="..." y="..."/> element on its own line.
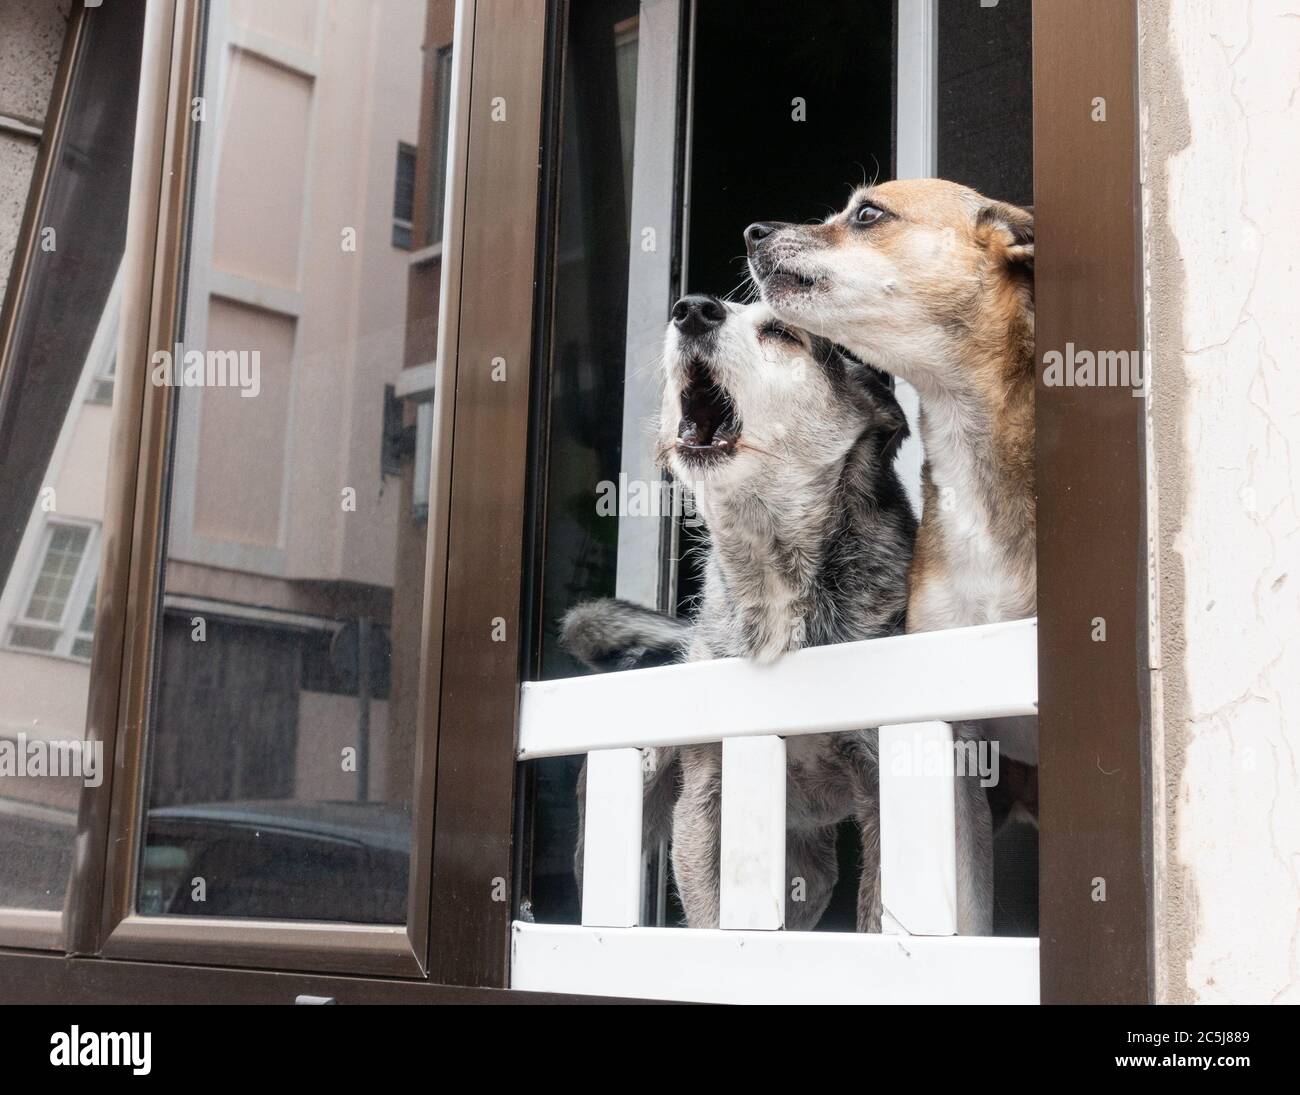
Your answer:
<point x="649" y="284"/>
<point x="917" y="152"/>
<point x="758" y="967"/>
<point x="982" y="672"/>
<point x="916" y="125"/>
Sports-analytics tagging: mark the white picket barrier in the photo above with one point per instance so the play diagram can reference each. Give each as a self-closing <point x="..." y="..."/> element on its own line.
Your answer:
<point x="912" y="687"/>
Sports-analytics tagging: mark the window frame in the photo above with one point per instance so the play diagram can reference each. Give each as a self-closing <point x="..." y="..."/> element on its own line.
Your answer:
<point x="1088" y="286"/>
<point x="1095" y="790"/>
<point x="167" y="156"/>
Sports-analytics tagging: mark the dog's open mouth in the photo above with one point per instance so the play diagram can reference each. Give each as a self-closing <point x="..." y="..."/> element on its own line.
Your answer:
<point x="774" y="275"/>
<point x="782" y="280"/>
<point x="710" y="427"/>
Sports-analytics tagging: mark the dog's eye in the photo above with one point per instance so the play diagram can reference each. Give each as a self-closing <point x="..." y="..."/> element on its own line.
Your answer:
<point x="776" y="330"/>
<point x="867" y="214"/>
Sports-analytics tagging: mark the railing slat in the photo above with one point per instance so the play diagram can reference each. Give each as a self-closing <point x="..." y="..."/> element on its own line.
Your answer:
<point x="918" y="835"/>
<point x="753" y="833"/>
<point x="611" y="860"/>
<point x="965" y="673"/>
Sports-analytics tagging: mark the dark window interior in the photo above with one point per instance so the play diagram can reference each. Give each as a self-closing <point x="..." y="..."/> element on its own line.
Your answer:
<point x="986" y="98"/>
<point x="750" y="160"/>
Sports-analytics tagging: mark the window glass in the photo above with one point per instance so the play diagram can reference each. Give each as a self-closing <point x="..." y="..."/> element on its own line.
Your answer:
<point x="588" y="352"/>
<point x="281" y="748"/>
<point x="54" y="446"/>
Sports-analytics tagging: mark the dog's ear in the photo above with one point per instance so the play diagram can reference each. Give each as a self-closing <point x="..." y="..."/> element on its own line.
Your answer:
<point x="896" y="432"/>
<point x="1009" y="231"/>
<point x="891" y="422"/>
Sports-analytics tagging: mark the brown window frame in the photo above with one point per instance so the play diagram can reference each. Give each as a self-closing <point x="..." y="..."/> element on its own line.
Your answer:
<point x="1094" y="783"/>
<point x="1094" y="697"/>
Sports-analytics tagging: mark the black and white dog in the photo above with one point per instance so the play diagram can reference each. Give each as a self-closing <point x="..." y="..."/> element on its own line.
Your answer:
<point x="788" y="446"/>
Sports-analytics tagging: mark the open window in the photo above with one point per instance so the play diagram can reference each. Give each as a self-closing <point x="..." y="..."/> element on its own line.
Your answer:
<point x="652" y="197"/>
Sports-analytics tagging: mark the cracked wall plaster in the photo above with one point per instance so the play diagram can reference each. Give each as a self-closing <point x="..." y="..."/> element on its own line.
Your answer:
<point x="1221" y="158"/>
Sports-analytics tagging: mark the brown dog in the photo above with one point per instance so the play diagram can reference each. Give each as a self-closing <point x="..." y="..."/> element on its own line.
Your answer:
<point x="933" y="282"/>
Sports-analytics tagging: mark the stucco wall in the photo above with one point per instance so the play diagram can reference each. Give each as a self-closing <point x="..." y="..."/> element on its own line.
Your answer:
<point x="1221" y="155"/>
<point x="31" y="37"/>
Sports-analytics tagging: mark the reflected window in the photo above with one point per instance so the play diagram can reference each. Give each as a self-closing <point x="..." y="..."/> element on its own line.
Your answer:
<point x="440" y="136"/>
<point x="60" y="611"/>
<point x="404" y="196"/>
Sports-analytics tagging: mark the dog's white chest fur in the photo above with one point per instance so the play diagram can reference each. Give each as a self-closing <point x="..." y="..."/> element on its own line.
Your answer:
<point x="977" y="581"/>
<point x="979" y="586"/>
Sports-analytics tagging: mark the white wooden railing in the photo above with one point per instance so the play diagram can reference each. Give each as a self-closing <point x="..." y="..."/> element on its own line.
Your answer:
<point x="912" y="687"/>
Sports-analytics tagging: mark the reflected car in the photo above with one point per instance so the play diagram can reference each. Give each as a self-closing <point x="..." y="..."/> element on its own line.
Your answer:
<point x="278" y="860"/>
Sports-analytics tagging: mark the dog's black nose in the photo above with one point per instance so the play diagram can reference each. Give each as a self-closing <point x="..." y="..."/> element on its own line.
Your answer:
<point x="757" y="233"/>
<point x="697" y="313"/>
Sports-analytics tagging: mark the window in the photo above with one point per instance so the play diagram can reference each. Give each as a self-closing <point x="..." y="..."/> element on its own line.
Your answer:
<point x="441" y="121"/>
<point x="59" y="617"/>
<point x="65" y="549"/>
<point x="101" y="389"/>
<point x="652" y="201"/>
<point x="404" y="196"/>
<point x="84" y="639"/>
